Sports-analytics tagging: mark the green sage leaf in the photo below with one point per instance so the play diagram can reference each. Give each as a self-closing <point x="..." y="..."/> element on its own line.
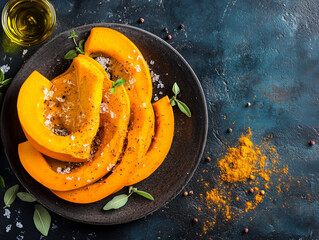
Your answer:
<point x="176" y="89"/>
<point x="6" y="82"/>
<point x="143" y="194"/>
<point x="183" y="107"/>
<point x="1" y="75"/>
<point x="119" y="82"/>
<point x="26" y="197"/>
<point x="113" y="90"/>
<point x="81" y="45"/>
<point x="2" y="183"/>
<point x="117" y="202"/>
<point x="10" y="195"/>
<point x="71" y="54"/>
<point x="41" y="219"/>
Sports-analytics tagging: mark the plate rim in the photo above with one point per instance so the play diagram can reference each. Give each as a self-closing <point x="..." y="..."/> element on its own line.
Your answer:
<point x="205" y="120"/>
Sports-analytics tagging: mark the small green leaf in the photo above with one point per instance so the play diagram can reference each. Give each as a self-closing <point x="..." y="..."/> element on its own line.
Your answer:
<point x="6" y="82"/>
<point x="143" y="194"/>
<point x="73" y="35"/>
<point x="26" y="197"/>
<point x="71" y="54"/>
<point x="10" y="195"/>
<point x="176" y="89"/>
<point x="119" y="82"/>
<point x="113" y="90"/>
<point x="117" y="202"/>
<point x="41" y="219"/>
<point x="183" y="107"/>
<point x="1" y="75"/>
<point x="2" y="184"/>
<point x="172" y="101"/>
<point x="81" y="45"/>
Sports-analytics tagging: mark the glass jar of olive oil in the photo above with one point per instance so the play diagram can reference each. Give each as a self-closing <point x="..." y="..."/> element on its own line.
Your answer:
<point x="28" y="22"/>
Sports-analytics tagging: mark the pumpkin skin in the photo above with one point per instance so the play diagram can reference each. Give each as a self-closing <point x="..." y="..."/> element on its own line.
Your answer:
<point x="31" y="106"/>
<point x="117" y="180"/>
<point x="113" y="131"/>
<point x="110" y="43"/>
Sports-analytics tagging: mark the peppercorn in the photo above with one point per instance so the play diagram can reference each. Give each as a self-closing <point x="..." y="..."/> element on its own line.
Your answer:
<point x="169" y="37"/>
<point x="208" y="159"/>
<point x="262" y="192"/>
<point x="185" y="193"/>
<point x="312" y="142"/>
<point x="191" y="193"/>
<point x="246" y="230"/>
<point x="141" y="20"/>
<point x="165" y="29"/>
<point x="248" y="104"/>
<point x="182" y="26"/>
<point x="195" y="220"/>
<point x="229" y="130"/>
<point x="251" y="190"/>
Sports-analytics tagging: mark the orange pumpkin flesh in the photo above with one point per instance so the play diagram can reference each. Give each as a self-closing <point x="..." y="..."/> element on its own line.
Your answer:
<point x="112" y="133"/>
<point x="33" y="95"/>
<point x="117" y="180"/>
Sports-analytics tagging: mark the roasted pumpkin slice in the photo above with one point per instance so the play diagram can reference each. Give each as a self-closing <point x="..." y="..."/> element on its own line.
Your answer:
<point x="120" y="176"/>
<point x="110" y="43"/>
<point x="162" y="141"/>
<point x="61" y="118"/>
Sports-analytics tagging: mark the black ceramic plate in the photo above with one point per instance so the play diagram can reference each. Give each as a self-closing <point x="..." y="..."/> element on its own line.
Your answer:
<point x="185" y="153"/>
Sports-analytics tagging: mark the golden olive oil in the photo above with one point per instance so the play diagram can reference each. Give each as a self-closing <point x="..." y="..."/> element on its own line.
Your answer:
<point x="29" y="22"/>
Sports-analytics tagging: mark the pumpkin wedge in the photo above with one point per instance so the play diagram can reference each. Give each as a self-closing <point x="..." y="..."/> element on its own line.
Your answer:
<point x="117" y="179"/>
<point x="58" y="130"/>
<point x="62" y="176"/>
<point x="162" y="141"/>
<point x="110" y="43"/>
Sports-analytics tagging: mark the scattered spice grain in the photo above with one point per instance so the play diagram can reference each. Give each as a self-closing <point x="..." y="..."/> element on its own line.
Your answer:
<point x="191" y="192"/>
<point x="169" y="37"/>
<point x="248" y="104"/>
<point x="185" y="193"/>
<point x="251" y="190"/>
<point x="165" y="29"/>
<point x="246" y="230"/>
<point x="229" y="130"/>
<point x="312" y="142"/>
<point x="195" y="220"/>
<point x="208" y="159"/>
<point x="141" y="20"/>
<point x="182" y="26"/>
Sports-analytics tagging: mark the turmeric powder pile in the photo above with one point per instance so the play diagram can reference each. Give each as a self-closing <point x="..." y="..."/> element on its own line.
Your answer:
<point x="245" y="173"/>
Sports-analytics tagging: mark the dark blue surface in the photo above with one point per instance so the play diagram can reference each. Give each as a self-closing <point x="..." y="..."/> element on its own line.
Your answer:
<point x="239" y="49"/>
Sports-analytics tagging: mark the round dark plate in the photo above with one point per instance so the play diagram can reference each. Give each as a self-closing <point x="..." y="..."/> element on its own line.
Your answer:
<point x="179" y="165"/>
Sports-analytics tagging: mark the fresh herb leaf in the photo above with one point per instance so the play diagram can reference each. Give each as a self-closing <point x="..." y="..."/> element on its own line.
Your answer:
<point x="81" y="45"/>
<point x="73" y="35"/>
<point x="117" y="83"/>
<point x="113" y="90"/>
<point x="117" y="202"/>
<point x="1" y="75"/>
<point x="79" y="50"/>
<point x="71" y="54"/>
<point x="41" y="219"/>
<point x="143" y="194"/>
<point x="172" y="101"/>
<point x="2" y="183"/>
<point x="10" y="195"/>
<point x="176" y="89"/>
<point x="26" y="197"/>
<point x="183" y="107"/>
<point x="6" y="82"/>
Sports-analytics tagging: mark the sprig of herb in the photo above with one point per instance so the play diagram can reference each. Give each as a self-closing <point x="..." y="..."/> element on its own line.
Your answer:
<point x="117" y="83"/>
<point x="120" y="200"/>
<point x="79" y="48"/>
<point x="10" y="195"/>
<point x="182" y="106"/>
<point x="42" y="219"/>
<point x="3" y="83"/>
